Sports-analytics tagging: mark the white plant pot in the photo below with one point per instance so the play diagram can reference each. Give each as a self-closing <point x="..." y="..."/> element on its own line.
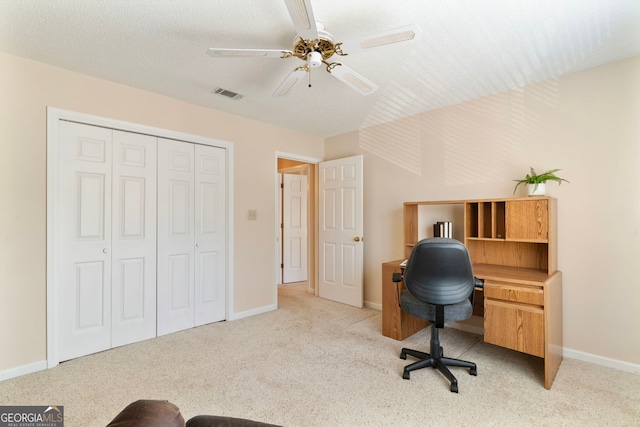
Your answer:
<point x="540" y="190"/>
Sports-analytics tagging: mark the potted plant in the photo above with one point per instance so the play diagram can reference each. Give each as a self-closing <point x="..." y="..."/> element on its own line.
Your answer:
<point x="536" y="182"/>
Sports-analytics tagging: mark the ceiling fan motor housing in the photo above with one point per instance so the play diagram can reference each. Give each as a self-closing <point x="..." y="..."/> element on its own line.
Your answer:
<point x="323" y="46"/>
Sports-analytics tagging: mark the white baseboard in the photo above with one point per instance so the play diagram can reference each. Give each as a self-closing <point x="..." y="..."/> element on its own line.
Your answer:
<point x="601" y="360"/>
<point x="23" y="370"/>
<point x="475" y="326"/>
<point x="249" y="313"/>
<point x="373" y="305"/>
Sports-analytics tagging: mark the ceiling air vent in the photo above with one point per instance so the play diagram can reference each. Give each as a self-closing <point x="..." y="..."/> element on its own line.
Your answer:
<point x="227" y="93"/>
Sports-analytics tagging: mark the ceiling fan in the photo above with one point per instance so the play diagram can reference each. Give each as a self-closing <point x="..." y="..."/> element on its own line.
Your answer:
<point x="316" y="47"/>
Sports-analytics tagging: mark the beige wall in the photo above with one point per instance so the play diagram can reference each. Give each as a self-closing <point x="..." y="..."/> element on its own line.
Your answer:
<point x="27" y="88"/>
<point x="587" y="124"/>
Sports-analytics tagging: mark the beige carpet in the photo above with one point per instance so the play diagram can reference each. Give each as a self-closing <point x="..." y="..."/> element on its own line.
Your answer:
<point x="314" y="362"/>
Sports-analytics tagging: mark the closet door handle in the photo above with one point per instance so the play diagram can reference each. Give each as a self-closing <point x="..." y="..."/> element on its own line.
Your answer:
<point x="105" y="251"/>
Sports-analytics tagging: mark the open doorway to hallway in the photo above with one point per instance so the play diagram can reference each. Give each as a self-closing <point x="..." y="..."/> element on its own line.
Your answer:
<point x="297" y="222"/>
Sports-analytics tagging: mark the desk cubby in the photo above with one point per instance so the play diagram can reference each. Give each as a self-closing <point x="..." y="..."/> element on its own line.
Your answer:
<point x="485" y="220"/>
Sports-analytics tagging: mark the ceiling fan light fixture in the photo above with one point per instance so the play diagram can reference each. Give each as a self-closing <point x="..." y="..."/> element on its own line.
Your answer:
<point x="315" y="47"/>
<point x="314" y="59"/>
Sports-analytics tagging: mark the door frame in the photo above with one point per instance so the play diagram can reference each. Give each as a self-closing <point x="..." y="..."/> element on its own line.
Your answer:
<point x="312" y="223"/>
<point x="54" y="116"/>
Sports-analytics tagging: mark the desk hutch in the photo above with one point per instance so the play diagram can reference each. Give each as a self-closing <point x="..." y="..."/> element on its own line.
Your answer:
<point x="513" y="247"/>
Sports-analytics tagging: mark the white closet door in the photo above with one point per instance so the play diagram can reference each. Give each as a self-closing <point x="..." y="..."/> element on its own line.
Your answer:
<point x="176" y="243"/>
<point x="84" y="240"/>
<point x="134" y="238"/>
<point x="210" y="234"/>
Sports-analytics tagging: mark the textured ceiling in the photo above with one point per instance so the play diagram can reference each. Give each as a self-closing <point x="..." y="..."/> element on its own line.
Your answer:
<point x="467" y="49"/>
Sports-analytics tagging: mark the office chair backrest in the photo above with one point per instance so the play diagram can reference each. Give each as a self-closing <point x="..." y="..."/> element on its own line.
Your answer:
<point x="439" y="271"/>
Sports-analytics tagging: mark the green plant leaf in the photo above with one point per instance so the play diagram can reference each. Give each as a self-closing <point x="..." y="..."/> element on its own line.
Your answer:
<point x="535" y="179"/>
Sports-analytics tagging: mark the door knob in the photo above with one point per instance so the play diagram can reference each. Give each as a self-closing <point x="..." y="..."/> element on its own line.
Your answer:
<point x="105" y="251"/>
<point x="356" y="239"/>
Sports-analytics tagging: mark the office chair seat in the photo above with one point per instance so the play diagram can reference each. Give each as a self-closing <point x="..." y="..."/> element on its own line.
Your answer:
<point x="452" y="313"/>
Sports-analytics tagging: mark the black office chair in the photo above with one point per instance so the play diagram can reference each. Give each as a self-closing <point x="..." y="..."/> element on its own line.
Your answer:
<point x="439" y="281"/>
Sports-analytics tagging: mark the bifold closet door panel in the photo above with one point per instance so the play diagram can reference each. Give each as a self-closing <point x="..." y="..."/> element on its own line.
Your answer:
<point x="133" y="281"/>
<point x="176" y="240"/>
<point x="210" y="234"/>
<point x="83" y="207"/>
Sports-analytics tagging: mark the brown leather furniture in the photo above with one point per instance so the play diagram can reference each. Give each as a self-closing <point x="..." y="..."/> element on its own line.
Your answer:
<point x="161" y="413"/>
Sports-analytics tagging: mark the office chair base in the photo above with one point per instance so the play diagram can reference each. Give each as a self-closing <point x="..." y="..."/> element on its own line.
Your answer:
<point x="436" y="360"/>
<point x="439" y="363"/>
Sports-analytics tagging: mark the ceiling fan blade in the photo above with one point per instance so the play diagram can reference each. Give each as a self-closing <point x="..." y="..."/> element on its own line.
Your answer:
<point x="353" y="79"/>
<point x="396" y="35"/>
<point x="248" y="53"/>
<point x="290" y="81"/>
<point x="303" y="20"/>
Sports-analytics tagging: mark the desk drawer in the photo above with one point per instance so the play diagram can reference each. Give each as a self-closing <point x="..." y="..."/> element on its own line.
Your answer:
<point x="514" y="326"/>
<point x="514" y="293"/>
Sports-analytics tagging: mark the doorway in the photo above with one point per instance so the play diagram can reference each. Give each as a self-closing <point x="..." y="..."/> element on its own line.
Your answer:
<point x="337" y="268"/>
<point x="305" y="168"/>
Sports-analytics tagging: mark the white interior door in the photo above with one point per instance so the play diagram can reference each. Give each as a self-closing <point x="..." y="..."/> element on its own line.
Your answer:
<point x="210" y="234"/>
<point x="294" y="232"/>
<point x="84" y="243"/>
<point x="176" y="236"/>
<point x="340" y="231"/>
<point x="133" y="254"/>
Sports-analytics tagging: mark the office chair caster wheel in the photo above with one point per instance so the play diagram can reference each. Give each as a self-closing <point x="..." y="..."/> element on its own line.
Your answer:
<point x="454" y="388"/>
<point x="405" y="375"/>
<point x="473" y="371"/>
<point x="403" y="356"/>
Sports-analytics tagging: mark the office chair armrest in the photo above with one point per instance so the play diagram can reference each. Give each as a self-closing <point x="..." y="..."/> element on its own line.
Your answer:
<point x="477" y="283"/>
<point x="397" y="278"/>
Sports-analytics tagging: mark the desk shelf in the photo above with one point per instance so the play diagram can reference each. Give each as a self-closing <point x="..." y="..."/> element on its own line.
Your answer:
<point x="515" y="232"/>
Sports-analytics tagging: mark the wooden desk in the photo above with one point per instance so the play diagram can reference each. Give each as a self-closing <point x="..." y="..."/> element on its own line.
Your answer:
<point x="522" y="311"/>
